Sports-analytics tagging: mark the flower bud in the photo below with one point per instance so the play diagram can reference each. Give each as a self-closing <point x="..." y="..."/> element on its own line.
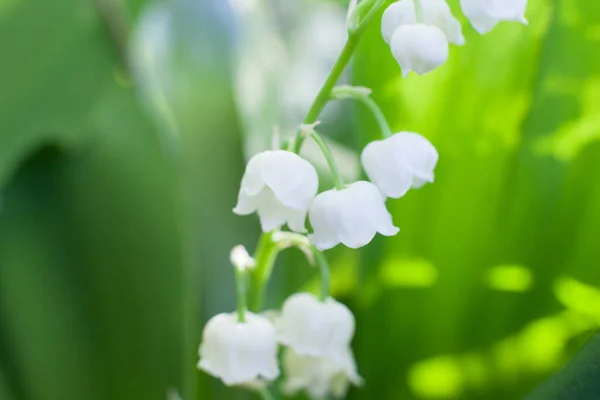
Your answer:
<point x="351" y="216"/>
<point x="279" y="185"/>
<point x="435" y="13"/>
<point x="240" y="258"/>
<point x="419" y="48"/>
<point x="485" y="14"/>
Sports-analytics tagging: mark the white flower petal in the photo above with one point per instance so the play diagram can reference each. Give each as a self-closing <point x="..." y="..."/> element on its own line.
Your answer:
<point x="315" y="328"/>
<point x="293" y="179"/>
<point x="296" y="220"/>
<point x="320" y="377"/>
<point x="324" y="216"/>
<point x="246" y="204"/>
<point x="419" y="48"/>
<point x="435" y="13"/>
<point x="239" y="352"/>
<point x="279" y="185"/>
<point x="271" y="213"/>
<point x="484" y="15"/>
<point x="351" y="216"/>
<point x="385" y="169"/>
<point x="252" y="181"/>
<point x="397" y="163"/>
<point x="395" y="15"/>
<point x="419" y="154"/>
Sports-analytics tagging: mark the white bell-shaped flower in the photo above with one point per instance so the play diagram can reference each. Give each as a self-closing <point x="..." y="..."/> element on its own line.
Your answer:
<point x="320" y="377"/>
<point x="397" y="163"/>
<point x="279" y="185"/>
<point x="315" y="328"/>
<point x="435" y="13"/>
<point x="420" y="48"/>
<point x="485" y="14"/>
<point x="239" y="352"/>
<point x="351" y="216"/>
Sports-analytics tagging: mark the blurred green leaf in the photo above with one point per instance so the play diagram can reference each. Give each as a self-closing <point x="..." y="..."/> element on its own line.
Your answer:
<point x="502" y="201"/>
<point x="578" y="380"/>
<point x="91" y="259"/>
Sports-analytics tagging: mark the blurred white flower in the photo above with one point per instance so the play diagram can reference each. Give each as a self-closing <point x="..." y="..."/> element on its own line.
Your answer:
<point x="240" y="258"/>
<point x="315" y="328"/>
<point x="435" y="13"/>
<point x="351" y="216"/>
<point x="420" y="48"/>
<point x="320" y="377"/>
<point x="397" y="163"/>
<point x="485" y="14"/>
<point x="279" y="185"/>
<point x="239" y="352"/>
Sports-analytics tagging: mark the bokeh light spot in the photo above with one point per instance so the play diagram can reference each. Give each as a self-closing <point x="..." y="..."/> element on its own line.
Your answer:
<point x="437" y="378"/>
<point x="408" y="273"/>
<point x="578" y="296"/>
<point x="509" y="278"/>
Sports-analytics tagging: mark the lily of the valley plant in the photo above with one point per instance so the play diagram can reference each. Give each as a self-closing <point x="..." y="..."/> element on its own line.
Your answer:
<point x="315" y="331"/>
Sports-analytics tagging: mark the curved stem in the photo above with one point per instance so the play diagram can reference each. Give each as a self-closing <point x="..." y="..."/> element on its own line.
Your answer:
<point x="240" y="284"/>
<point x="362" y="95"/>
<point x="325" y="92"/>
<point x="265" y="394"/>
<point x="336" y="71"/>
<point x="419" y="10"/>
<point x="323" y="265"/>
<point x="374" y="10"/>
<point x="267" y="251"/>
<point x="386" y="131"/>
<point x="265" y="256"/>
<point x="335" y="171"/>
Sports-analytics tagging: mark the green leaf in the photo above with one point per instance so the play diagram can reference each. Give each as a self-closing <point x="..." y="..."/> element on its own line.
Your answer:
<point x="578" y="380"/>
<point x="471" y="278"/>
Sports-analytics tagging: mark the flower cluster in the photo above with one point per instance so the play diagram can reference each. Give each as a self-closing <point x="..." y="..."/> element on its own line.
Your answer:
<point x="317" y="357"/>
<point x="419" y="31"/>
<point x="282" y="188"/>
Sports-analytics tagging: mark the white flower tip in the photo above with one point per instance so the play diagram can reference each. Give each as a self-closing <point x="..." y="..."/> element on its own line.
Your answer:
<point x="389" y="230"/>
<point x="240" y="258"/>
<point x="238" y="211"/>
<point x="524" y="21"/>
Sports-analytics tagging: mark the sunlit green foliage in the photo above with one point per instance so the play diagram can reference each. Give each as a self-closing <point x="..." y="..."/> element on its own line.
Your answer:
<point x="118" y="174"/>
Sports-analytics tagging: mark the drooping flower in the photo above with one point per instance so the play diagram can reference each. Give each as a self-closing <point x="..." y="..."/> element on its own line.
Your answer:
<point x="403" y="161"/>
<point x="419" y="48"/>
<point x="279" y="185"/>
<point x="435" y="13"/>
<point x="315" y="328"/>
<point x="351" y="216"/>
<point x="485" y="14"/>
<point x="320" y="377"/>
<point x="239" y="352"/>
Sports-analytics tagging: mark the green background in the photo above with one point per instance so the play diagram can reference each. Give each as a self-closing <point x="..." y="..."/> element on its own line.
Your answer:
<point x="120" y="159"/>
